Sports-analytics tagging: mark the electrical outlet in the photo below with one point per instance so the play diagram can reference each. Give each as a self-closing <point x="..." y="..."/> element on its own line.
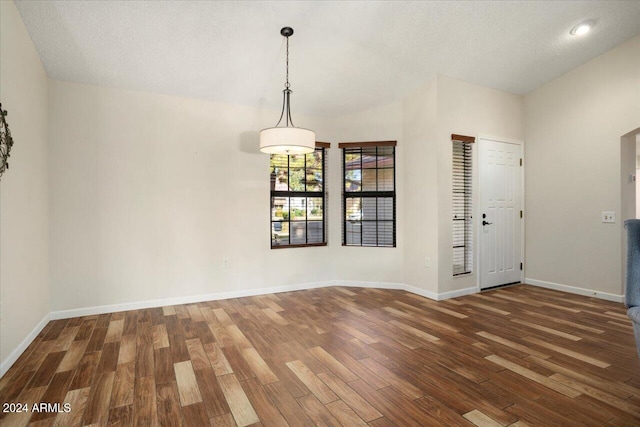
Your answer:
<point x="225" y="262"/>
<point x="608" y="217"/>
<point x="427" y="262"/>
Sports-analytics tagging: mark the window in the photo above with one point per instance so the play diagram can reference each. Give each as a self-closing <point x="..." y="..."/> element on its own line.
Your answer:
<point x="462" y="205"/>
<point x="298" y="201"/>
<point x="369" y="194"/>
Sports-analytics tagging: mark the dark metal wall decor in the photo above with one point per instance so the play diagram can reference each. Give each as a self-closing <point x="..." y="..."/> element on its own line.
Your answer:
<point x="5" y="141"/>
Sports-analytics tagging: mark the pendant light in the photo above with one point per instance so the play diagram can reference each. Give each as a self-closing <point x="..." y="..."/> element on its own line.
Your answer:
<point x="287" y="139"/>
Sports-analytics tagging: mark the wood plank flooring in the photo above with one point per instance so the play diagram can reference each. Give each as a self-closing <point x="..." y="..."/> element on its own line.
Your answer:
<point x="519" y="356"/>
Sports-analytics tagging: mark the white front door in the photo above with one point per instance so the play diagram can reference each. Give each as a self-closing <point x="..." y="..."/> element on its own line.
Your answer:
<point x="499" y="221"/>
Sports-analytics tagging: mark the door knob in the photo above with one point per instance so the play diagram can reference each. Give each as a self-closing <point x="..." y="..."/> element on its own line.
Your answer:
<point x="486" y="223"/>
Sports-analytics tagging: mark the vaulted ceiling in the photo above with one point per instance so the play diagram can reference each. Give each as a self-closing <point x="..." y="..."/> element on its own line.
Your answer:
<point x="344" y="56"/>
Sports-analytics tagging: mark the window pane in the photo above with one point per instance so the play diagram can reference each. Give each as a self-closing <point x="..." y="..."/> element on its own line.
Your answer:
<point x="314" y="160"/>
<point x="385" y="233"/>
<point x="385" y="157"/>
<point x="279" y="208"/>
<point x="279" y="233"/>
<point x="298" y="235"/>
<point x="296" y="179"/>
<point x="385" y="180"/>
<point x="369" y="208"/>
<point x="459" y="261"/>
<point x="314" y="179"/>
<point x="297" y="161"/>
<point x="458" y="233"/>
<point x="315" y="231"/>
<point x="369" y="235"/>
<point x="353" y="233"/>
<point x="353" y="180"/>
<point x="298" y="208"/>
<point x="353" y="209"/>
<point x="279" y="160"/>
<point x="314" y="208"/>
<point x="369" y="157"/>
<point x="385" y="208"/>
<point x="281" y="180"/>
<point x="369" y="180"/>
<point x="352" y="160"/>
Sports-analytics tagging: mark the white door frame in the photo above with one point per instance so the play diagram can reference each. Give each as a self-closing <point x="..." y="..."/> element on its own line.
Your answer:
<point x="476" y="212"/>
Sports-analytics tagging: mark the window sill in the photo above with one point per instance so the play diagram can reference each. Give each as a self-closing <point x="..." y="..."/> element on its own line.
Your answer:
<point x="309" y="245"/>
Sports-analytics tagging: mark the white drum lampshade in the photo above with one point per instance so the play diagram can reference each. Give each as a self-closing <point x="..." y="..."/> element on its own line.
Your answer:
<point x="287" y="140"/>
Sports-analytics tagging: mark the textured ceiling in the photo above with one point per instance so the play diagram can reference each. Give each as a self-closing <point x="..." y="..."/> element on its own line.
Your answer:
<point x="344" y="56"/>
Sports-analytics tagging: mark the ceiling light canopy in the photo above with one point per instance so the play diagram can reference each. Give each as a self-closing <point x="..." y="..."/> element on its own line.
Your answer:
<point x="287" y="139"/>
<point x="582" y="28"/>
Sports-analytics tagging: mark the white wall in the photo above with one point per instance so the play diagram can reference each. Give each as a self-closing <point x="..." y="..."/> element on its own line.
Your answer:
<point x="573" y="130"/>
<point x="467" y="109"/>
<point x="24" y="212"/>
<point x="431" y="114"/>
<point x="382" y="265"/>
<point x="151" y="192"/>
<point x="420" y="170"/>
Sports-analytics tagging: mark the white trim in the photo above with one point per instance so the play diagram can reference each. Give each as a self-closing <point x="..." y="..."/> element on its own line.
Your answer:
<point x="65" y="314"/>
<point x="575" y="290"/>
<point x="500" y="139"/>
<point x="422" y="292"/>
<point x="113" y="308"/>
<point x="456" y="293"/>
<point x="163" y="302"/>
<point x="17" y="352"/>
<point x="375" y="285"/>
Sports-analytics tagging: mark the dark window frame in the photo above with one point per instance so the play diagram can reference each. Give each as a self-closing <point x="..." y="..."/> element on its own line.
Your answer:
<point x="323" y="148"/>
<point x="354" y="147"/>
<point x="462" y="204"/>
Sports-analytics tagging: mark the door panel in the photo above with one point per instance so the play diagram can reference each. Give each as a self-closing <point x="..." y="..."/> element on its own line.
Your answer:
<point x="500" y="205"/>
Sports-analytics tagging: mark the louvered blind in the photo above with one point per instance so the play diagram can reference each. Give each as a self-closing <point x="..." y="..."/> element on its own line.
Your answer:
<point x="369" y="196"/>
<point x="462" y="205"/>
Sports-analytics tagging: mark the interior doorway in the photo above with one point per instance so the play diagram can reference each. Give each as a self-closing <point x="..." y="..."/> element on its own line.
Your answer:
<point x="630" y="193"/>
<point x="637" y="174"/>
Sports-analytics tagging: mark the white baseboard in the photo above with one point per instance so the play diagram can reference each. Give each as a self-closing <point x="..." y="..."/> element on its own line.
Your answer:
<point x="88" y="311"/>
<point x="575" y="290"/>
<point x="113" y="308"/>
<point x="191" y="299"/>
<point x="375" y="285"/>
<point x="419" y="291"/>
<point x="409" y="288"/>
<point x="162" y="302"/>
<point x="456" y="293"/>
<point x="17" y="352"/>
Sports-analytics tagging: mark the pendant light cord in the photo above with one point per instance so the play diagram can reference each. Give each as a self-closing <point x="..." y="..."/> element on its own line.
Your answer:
<point x="286" y="85"/>
<point x="286" y="96"/>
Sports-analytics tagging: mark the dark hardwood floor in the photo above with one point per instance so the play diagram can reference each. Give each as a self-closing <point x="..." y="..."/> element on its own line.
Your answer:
<point x="338" y="356"/>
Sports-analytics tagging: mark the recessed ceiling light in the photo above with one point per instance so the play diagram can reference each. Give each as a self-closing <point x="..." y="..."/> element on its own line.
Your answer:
<point x="582" y="28"/>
